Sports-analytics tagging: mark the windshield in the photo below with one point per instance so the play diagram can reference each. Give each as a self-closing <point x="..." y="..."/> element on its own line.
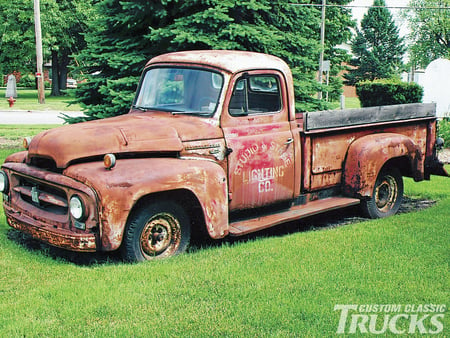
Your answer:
<point x="180" y="90"/>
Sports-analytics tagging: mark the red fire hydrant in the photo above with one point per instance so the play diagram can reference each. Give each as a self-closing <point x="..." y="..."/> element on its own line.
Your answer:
<point x="11" y="101"/>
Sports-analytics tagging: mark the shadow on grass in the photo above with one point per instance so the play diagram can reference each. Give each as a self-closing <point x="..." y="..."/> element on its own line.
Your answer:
<point x="327" y="220"/>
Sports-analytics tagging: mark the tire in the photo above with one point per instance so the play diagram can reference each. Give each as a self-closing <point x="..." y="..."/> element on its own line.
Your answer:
<point x="387" y="195"/>
<point x="155" y="231"/>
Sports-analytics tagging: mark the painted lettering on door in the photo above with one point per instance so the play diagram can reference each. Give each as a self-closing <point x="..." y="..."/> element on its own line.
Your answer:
<point x="266" y="176"/>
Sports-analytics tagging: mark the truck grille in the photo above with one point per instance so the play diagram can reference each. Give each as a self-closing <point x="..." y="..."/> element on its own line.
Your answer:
<point x="42" y="196"/>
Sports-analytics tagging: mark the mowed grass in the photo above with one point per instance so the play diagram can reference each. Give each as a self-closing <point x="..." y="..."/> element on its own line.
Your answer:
<point x="12" y="135"/>
<point x="27" y="99"/>
<point x="280" y="283"/>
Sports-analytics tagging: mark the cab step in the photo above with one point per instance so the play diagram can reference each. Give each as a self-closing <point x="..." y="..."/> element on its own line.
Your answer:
<point x="244" y="227"/>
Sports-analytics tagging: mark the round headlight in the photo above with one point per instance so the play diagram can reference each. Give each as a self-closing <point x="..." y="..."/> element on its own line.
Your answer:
<point x="77" y="209"/>
<point x="4" y="183"/>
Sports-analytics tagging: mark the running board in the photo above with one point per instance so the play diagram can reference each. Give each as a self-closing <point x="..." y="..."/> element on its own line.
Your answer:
<point x="244" y="227"/>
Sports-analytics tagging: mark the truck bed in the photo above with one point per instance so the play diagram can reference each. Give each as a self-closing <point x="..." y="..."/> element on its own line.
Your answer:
<point x="327" y="135"/>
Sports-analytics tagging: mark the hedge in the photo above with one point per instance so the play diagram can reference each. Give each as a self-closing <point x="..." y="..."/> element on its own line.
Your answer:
<point x="387" y="92"/>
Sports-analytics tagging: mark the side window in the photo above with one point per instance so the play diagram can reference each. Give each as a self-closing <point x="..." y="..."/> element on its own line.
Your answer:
<point x="255" y="94"/>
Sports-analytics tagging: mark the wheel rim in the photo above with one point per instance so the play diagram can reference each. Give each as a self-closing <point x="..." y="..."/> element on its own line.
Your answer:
<point x="386" y="193"/>
<point x="161" y="236"/>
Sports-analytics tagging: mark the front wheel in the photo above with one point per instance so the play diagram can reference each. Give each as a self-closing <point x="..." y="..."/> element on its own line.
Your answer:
<point x="387" y="194"/>
<point x="157" y="230"/>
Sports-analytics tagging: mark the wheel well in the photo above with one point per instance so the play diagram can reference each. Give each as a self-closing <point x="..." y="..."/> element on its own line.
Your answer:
<point x="185" y="198"/>
<point x="403" y="164"/>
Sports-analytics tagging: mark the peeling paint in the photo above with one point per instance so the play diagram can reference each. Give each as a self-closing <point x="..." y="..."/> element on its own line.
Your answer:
<point x="225" y="163"/>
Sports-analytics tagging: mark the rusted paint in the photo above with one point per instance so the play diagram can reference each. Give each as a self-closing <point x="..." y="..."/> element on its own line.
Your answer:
<point x="24" y="211"/>
<point x="367" y="155"/>
<point x="293" y="213"/>
<point x="57" y="237"/>
<point x="134" y="133"/>
<point x="18" y="157"/>
<point x="225" y="163"/>
<point x="328" y="151"/>
<point x="261" y="165"/>
<point x="42" y="196"/>
<point x="204" y="179"/>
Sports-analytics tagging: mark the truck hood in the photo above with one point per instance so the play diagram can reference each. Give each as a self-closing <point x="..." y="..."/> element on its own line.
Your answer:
<point x="130" y="133"/>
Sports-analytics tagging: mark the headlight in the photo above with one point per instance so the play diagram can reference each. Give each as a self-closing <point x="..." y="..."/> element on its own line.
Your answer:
<point x="77" y="208"/>
<point x="4" y="183"/>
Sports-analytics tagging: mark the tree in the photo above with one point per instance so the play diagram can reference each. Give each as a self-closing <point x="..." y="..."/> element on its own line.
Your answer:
<point x="429" y="24"/>
<point x="377" y="47"/>
<point x="17" y="43"/>
<point x="63" y="24"/>
<point x="131" y="32"/>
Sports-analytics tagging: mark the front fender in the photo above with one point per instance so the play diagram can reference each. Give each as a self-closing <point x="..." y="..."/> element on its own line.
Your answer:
<point x="119" y="190"/>
<point x="367" y="155"/>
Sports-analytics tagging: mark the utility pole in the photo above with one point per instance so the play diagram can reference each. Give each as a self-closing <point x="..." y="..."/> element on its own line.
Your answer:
<point x="39" y="58"/>
<point x="322" y="46"/>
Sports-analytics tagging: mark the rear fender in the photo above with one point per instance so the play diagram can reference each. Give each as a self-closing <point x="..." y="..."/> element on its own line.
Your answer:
<point x="367" y="155"/>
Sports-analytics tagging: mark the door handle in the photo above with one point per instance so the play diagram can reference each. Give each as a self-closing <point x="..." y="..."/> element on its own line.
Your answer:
<point x="289" y="141"/>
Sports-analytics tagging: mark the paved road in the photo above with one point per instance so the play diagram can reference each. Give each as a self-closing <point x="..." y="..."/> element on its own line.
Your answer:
<point x="34" y="116"/>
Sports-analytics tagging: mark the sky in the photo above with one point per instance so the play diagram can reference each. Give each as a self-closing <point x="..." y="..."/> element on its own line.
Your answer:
<point x="358" y="12"/>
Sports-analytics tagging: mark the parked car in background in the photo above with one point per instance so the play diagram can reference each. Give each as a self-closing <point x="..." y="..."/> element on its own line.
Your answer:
<point x="71" y="83"/>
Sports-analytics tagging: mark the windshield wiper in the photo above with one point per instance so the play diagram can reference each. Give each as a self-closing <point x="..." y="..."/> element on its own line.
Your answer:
<point x="173" y="111"/>
<point x="139" y="108"/>
<point x="145" y="109"/>
<point x="194" y="113"/>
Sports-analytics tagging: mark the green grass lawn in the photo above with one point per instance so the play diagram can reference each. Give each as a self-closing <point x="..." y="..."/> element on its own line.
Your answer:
<point x="282" y="283"/>
<point x="28" y="100"/>
<point x="350" y="102"/>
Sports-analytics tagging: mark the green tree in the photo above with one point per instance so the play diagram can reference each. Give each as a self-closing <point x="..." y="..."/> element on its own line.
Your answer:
<point x="131" y="32"/>
<point x="63" y="25"/>
<point x="429" y="24"/>
<point x="65" y="22"/>
<point x="377" y="47"/>
<point x="17" y="42"/>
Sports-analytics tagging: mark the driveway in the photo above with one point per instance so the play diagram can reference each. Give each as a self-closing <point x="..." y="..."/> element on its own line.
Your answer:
<point x="35" y="116"/>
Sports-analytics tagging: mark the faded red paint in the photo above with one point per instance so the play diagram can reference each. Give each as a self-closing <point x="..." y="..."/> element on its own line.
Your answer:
<point x="239" y="173"/>
<point x="368" y="154"/>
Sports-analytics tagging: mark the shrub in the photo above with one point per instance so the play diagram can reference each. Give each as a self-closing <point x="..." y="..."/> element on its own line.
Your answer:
<point x="27" y="81"/>
<point x="444" y="131"/>
<point x="387" y="92"/>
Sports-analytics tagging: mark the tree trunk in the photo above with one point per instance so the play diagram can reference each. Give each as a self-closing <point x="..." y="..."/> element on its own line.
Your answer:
<point x="55" y="74"/>
<point x="63" y="63"/>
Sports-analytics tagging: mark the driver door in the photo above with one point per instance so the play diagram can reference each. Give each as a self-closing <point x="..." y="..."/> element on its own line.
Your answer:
<point x="257" y="132"/>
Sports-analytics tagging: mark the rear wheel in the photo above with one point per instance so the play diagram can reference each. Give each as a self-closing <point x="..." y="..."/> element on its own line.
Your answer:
<point x="157" y="230"/>
<point x="387" y="194"/>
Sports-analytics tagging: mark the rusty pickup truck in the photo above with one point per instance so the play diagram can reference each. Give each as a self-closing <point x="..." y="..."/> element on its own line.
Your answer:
<point x="212" y="144"/>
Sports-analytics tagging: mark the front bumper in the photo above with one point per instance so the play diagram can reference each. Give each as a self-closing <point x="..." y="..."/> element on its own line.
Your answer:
<point x="56" y="237"/>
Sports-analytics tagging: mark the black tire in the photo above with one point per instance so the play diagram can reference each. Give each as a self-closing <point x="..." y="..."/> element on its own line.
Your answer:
<point x="155" y="231"/>
<point x="387" y="195"/>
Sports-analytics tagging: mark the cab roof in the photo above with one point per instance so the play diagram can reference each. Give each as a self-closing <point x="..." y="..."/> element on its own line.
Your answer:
<point x="232" y="61"/>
